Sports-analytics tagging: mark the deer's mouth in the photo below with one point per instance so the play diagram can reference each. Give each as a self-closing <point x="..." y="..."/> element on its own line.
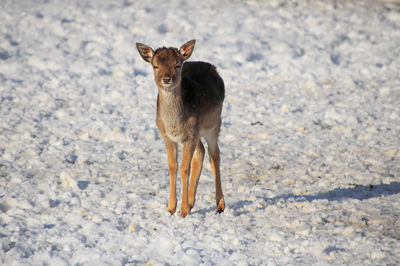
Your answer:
<point x="168" y="87"/>
<point x="169" y="82"/>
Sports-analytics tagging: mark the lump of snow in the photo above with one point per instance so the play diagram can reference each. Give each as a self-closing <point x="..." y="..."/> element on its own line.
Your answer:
<point x="276" y="237"/>
<point x="67" y="180"/>
<point x="377" y="255"/>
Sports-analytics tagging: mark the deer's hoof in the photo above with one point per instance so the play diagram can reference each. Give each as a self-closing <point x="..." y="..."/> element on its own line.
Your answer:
<point x="184" y="212"/>
<point x="172" y="208"/>
<point x="221" y="205"/>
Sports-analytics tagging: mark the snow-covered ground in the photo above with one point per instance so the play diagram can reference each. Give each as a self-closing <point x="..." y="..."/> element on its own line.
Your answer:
<point x="310" y="139"/>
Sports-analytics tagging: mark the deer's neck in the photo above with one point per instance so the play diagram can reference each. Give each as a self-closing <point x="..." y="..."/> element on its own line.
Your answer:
<point x="171" y="105"/>
<point x="172" y="114"/>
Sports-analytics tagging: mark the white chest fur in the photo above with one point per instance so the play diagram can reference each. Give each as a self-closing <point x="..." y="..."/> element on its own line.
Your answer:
<point x="172" y="116"/>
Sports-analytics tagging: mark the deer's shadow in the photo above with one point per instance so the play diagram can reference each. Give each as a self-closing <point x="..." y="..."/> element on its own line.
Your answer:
<point x="359" y="192"/>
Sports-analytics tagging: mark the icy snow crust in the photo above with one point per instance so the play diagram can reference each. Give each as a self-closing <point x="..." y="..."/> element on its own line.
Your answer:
<point x="310" y="139"/>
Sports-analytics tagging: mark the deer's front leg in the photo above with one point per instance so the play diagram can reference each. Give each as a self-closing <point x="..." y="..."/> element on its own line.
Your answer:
<point x="187" y="154"/>
<point x="172" y="153"/>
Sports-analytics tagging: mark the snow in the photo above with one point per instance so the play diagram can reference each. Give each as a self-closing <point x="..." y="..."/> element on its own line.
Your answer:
<point x="310" y="142"/>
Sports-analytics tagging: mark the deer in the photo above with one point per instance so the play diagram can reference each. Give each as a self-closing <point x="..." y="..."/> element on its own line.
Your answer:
<point x="189" y="106"/>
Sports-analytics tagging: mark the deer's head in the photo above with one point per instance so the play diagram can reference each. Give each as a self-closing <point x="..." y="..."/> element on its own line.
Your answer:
<point x="167" y="63"/>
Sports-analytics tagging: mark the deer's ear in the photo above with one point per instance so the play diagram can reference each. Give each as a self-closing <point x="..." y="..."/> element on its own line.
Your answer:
<point x="145" y="51"/>
<point x="186" y="50"/>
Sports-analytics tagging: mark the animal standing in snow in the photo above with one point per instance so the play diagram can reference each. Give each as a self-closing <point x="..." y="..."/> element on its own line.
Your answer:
<point x="189" y="105"/>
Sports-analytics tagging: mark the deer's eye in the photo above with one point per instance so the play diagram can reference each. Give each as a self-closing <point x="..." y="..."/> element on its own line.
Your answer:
<point x="155" y="67"/>
<point x="177" y="66"/>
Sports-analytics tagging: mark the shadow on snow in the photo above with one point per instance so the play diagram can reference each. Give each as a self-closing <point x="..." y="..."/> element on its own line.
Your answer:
<point x="358" y="192"/>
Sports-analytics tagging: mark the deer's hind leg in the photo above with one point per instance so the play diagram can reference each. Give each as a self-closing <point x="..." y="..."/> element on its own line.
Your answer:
<point x="213" y="151"/>
<point x="197" y="165"/>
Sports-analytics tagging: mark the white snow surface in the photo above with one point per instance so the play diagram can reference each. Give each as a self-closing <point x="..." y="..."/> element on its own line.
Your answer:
<point x="310" y="141"/>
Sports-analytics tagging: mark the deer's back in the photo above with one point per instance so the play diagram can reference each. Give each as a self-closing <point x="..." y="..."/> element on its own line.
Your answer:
<point x="201" y="85"/>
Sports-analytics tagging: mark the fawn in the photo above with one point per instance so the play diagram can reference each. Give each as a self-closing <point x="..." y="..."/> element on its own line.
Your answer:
<point x="189" y="105"/>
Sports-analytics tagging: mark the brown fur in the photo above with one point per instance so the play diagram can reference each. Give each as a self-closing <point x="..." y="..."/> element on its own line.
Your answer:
<point x="189" y="105"/>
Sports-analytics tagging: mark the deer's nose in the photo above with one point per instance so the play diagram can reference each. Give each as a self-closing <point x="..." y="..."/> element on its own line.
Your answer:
<point x="166" y="80"/>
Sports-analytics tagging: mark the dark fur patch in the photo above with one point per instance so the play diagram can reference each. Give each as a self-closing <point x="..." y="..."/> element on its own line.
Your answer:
<point x="198" y="86"/>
